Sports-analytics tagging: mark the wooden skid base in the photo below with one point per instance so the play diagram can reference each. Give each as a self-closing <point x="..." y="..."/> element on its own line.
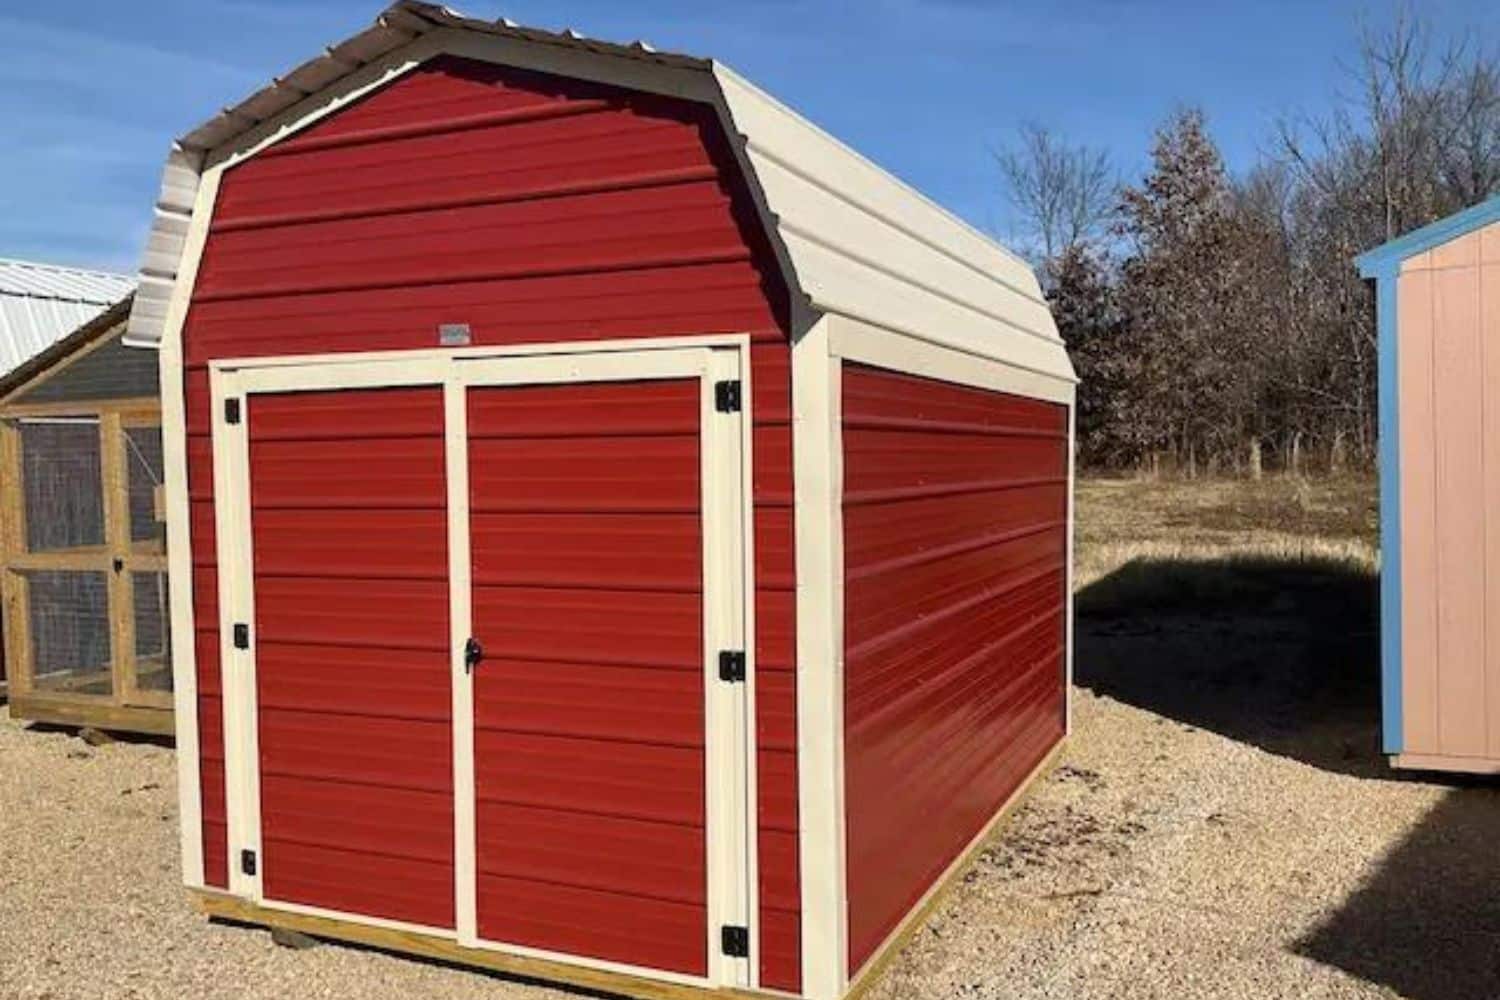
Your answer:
<point x="444" y="950"/>
<point x="1438" y="762"/>
<point x="77" y="712"/>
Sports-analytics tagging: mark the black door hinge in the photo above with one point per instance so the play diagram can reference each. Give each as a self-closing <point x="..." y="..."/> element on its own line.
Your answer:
<point x="727" y="396"/>
<point x="247" y="862"/>
<point x="231" y="411"/>
<point x="732" y="665"/>
<point x="735" y="941"/>
<point x="241" y="636"/>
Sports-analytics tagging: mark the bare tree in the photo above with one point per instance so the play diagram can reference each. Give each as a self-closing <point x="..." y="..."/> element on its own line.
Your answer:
<point x="1417" y="138"/>
<point x="1217" y="320"/>
<point x="1063" y="193"/>
<point x="1470" y="156"/>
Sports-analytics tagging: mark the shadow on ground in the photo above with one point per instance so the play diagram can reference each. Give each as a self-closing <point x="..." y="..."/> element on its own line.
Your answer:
<point x="103" y="737"/>
<point x="1427" y="924"/>
<point x="1279" y="653"/>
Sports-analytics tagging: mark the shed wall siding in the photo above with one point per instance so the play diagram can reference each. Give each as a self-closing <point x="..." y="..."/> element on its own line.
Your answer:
<point x="535" y="209"/>
<point x="1448" y="323"/>
<point x="955" y="542"/>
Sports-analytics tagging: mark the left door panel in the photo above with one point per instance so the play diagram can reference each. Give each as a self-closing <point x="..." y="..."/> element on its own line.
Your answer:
<point x="349" y="548"/>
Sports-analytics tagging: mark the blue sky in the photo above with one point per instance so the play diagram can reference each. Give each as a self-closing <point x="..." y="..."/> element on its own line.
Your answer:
<point x="92" y="92"/>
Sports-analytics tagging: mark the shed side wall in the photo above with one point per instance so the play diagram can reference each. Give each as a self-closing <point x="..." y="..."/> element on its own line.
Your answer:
<point x="535" y="209"/>
<point x="1448" y="325"/>
<point x="955" y="541"/>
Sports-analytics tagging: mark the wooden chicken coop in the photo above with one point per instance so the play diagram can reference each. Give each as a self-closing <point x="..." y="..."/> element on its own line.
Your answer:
<point x="84" y="546"/>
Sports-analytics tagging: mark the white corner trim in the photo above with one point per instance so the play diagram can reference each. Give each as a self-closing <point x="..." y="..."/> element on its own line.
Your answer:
<point x="820" y="690"/>
<point x="180" y="549"/>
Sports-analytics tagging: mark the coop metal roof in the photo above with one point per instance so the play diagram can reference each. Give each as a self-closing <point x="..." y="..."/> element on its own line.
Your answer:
<point x="852" y="238"/>
<point x="42" y="303"/>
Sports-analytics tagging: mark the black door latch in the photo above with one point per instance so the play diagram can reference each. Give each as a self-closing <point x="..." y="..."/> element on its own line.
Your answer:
<point x="473" y="653"/>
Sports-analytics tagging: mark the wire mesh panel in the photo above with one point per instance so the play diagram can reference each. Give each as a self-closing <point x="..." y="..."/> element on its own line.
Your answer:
<point x="144" y="474"/>
<point x="62" y="484"/>
<point x="69" y="630"/>
<point x="153" y="633"/>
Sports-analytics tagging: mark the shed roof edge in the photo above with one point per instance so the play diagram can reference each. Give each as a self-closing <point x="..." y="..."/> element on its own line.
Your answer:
<point x="1375" y="262"/>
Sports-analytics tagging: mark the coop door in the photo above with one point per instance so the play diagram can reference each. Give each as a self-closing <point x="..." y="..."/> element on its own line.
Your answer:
<point x="605" y="514"/>
<point x="85" y="559"/>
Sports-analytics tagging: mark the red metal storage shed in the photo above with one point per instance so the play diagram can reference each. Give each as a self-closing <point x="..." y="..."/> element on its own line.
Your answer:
<point x="617" y="533"/>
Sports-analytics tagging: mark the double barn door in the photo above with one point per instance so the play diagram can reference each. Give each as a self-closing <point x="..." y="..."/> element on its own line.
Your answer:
<point x="472" y="612"/>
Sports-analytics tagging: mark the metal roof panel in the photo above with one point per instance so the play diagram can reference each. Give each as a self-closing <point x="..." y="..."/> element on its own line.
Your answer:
<point x="69" y="284"/>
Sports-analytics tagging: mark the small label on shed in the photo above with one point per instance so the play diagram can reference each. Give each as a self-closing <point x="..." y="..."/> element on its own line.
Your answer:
<point x="454" y="334"/>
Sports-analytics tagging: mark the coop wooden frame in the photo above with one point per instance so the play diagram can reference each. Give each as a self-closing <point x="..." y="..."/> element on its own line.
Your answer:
<point x="128" y="706"/>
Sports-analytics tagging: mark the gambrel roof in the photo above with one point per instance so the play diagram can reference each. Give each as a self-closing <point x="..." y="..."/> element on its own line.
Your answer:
<point x="851" y="238"/>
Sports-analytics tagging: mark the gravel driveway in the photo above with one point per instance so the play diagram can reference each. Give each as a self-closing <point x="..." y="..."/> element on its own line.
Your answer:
<point x="1221" y="826"/>
<point x="1160" y="860"/>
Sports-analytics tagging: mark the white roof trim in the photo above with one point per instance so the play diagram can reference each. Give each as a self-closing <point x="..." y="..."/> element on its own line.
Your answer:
<point x="856" y="240"/>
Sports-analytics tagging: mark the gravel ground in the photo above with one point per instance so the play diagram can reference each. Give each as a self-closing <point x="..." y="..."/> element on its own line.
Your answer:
<point x="90" y="904"/>
<point x="1164" y="860"/>
<point x="1221" y="826"/>
<point x="1159" y="860"/>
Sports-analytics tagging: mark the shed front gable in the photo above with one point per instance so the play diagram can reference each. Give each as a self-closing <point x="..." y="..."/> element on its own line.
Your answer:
<point x="530" y="208"/>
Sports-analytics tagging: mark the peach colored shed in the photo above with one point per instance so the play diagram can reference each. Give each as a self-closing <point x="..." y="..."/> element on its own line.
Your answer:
<point x="1447" y="342"/>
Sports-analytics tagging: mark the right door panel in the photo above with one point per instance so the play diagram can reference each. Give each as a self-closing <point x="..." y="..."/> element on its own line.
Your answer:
<point x="586" y="528"/>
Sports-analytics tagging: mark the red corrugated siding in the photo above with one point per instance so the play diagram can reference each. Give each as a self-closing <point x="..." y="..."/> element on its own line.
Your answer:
<point x="606" y="803"/>
<point x="533" y="208"/>
<point x="955" y="506"/>
<point x="352" y="675"/>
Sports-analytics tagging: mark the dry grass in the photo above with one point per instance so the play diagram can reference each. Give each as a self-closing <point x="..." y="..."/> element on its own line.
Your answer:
<point x="1249" y="608"/>
<point x="1226" y="511"/>
<point x="1214" y="543"/>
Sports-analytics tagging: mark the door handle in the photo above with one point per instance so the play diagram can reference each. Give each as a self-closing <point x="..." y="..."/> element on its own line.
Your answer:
<point x="473" y="654"/>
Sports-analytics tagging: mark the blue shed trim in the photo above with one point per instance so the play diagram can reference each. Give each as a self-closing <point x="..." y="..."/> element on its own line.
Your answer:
<point x="1387" y="257"/>
<point x="1390" y="512"/>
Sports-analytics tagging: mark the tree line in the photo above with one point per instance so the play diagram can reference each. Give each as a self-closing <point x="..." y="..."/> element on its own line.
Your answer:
<point x="1216" y="320"/>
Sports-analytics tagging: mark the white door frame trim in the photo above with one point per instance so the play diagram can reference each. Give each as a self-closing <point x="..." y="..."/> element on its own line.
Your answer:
<point x="725" y="444"/>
